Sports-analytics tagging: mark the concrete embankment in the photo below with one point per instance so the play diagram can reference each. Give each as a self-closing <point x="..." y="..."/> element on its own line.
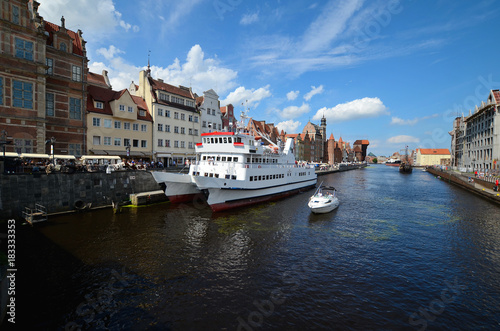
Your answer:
<point x="476" y="186"/>
<point x="60" y="192"/>
<point x="346" y="167"/>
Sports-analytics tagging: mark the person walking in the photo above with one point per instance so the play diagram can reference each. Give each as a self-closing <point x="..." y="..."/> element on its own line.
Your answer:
<point x="496" y="185"/>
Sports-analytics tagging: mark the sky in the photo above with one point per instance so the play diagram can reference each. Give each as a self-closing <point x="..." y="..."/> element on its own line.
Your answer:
<point x="394" y="72"/>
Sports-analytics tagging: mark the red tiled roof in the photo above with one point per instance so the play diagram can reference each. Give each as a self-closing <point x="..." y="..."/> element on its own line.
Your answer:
<point x="141" y="104"/>
<point x="96" y="79"/>
<point x="434" y="151"/>
<point x="362" y="142"/>
<point x="104" y="95"/>
<point x="157" y="85"/>
<point x="496" y="94"/>
<point x="331" y="137"/>
<point x="77" y="45"/>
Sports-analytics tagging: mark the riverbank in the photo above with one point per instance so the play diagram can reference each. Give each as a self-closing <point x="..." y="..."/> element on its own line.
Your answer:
<point x="477" y="186"/>
<point x="340" y="167"/>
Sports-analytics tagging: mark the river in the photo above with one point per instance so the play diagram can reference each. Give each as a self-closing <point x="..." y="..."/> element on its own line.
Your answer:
<point x="400" y="252"/>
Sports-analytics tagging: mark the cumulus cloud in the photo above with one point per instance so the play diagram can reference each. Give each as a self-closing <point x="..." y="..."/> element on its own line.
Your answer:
<point x="197" y="71"/>
<point x="289" y="126"/>
<point x="313" y="92"/>
<point x="91" y="16"/>
<point x="249" y="19"/>
<point x="250" y="98"/>
<point x="403" y="139"/>
<point x="295" y="111"/>
<point x="292" y="95"/>
<point x="356" y="109"/>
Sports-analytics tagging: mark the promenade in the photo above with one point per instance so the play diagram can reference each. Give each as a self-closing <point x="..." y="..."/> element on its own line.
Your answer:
<point x="478" y="186"/>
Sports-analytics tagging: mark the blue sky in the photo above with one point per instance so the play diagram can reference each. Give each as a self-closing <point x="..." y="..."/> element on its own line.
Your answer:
<point x="394" y="72"/>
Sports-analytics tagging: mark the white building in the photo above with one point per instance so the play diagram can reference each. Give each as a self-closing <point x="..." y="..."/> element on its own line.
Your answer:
<point x="211" y="116"/>
<point x="176" y="122"/>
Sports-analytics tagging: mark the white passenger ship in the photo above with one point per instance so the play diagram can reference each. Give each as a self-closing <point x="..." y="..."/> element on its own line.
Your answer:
<point x="236" y="169"/>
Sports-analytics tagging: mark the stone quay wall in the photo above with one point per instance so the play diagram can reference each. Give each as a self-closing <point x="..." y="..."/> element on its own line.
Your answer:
<point x="61" y="192"/>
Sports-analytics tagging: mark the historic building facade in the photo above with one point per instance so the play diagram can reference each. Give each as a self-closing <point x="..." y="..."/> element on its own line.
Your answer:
<point x="118" y="122"/>
<point x="228" y="118"/>
<point x="42" y="82"/>
<point x="177" y="127"/>
<point x="209" y="109"/>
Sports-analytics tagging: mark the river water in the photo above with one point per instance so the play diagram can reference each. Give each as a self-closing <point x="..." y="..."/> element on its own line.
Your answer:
<point x="400" y="252"/>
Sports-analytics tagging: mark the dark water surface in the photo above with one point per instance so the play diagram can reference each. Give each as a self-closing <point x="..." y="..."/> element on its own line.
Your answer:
<point x="401" y="252"/>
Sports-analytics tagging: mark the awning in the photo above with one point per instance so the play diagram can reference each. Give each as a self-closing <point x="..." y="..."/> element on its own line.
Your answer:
<point x="98" y="152"/>
<point x="65" y="157"/>
<point x="35" y="156"/>
<point x="10" y="154"/>
<point x="105" y="157"/>
<point x="163" y="155"/>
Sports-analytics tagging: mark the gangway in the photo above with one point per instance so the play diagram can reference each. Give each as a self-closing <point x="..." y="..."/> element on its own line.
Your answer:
<point x="38" y="214"/>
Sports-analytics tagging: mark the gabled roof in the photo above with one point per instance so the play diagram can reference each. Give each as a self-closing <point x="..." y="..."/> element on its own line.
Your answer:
<point x="496" y="95"/>
<point x="96" y="79"/>
<point x="141" y="105"/>
<point x="434" y="151"/>
<point x="362" y="142"/>
<point x="183" y="92"/>
<point x="52" y="28"/>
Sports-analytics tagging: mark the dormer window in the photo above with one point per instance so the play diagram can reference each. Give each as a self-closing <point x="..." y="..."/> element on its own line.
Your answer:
<point x="142" y="112"/>
<point x="99" y="105"/>
<point x="62" y="47"/>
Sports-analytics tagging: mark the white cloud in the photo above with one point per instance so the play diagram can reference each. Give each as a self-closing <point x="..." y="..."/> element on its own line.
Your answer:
<point x="356" y="109"/>
<point x="294" y="111"/>
<point x="197" y="72"/>
<point x="292" y="95"/>
<point x="289" y="126"/>
<point x="91" y="16"/>
<point x="110" y="52"/>
<point x="249" y="19"/>
<point x="313" y="92"/>
<point x="249" y="98"/>
<point x="403" y="139"/>
<point x="399" y="121"/>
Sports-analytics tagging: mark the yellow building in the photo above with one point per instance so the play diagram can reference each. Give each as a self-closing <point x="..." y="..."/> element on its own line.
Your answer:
<point x="431" y="156"/>
<point x="118" y="123"/>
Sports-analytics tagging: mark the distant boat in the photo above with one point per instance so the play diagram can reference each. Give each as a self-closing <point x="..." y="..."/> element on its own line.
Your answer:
<point x="405" y="166"/>
<point x="393" y="163"/>
<point x="324" y="200"/>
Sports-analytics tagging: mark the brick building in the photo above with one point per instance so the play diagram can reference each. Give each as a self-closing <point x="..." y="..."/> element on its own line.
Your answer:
<point x="42" y="81"/>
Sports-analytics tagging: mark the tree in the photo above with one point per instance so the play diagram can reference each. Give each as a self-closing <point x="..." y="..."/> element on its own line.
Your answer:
<point x="374" y="160"/>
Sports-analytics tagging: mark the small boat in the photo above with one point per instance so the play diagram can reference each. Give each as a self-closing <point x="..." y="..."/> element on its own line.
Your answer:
<point x="324" y="200"/>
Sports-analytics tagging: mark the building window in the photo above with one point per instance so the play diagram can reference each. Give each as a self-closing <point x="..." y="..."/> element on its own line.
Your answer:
<point x="75" y="108"/>
<point x="208" y="111"/>
<point x="176" y="129"/>
<point x="135" y="127"/>
<point x="118" y="125"/>
<point x="15" y="14"/>
<point x="107" y="123"/>
<point x="126" y="126"/>
<point x="77" y="74"/>
<point x="213" y="111"/>
<point x="160" y="142"/>
<point x="195" y="132"/>
<point x="118" y="142"/>
<point x="144" y="128"/>
<point x="49" y="104"/>
<point x="50" y="66"/>
<point x="96" y="121"/>
<point x="167" y="113"/>
<point x="99" y="105"/>
<point x="160" y="112"/>
<point x="177" y="100"/>
<point x="167" y="128"/>
<point x="144" y="143"/>
<point x="183" y="117"/>
<point x="23" y="94"/>
<point x="190" y="132"/>
<point x="190" y="103"/>
<point x="190" y="118"/>
<point x="75" y="149"/>
<point x="23" y="145"/>
<point x="164" y="97"/>
<point x="176" y="115"/>
<point x="176" y="144"/>
<point x="204" y="124"/>
<point x="135" y="143"/>
<point x="126" y="142"/>
<point x="142" y="113"/>
<point x="122" y="107"/>
<point x="96" y="140"/>
<point x="62" y="47"/>
<point x="183" y="144"/>
<point x="183" y="130"/>
<point x="167" y="143"/>
<point x="160" y="127"/>
<point x="24" y="49"/>
<point x="130" y="109"/>
<point x="107" y="141"/>
<point x="190" y="145"/>
<point x="196" y="119"/>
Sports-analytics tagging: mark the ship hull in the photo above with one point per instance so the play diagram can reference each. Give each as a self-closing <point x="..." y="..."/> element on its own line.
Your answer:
<point x="177" y="187"/>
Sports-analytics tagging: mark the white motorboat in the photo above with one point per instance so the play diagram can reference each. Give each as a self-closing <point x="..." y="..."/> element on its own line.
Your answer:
<point x="324" y="200"/>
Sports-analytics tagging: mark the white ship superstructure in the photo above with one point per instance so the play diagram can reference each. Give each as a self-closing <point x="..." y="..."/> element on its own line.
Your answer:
<point x="237" y="169"/>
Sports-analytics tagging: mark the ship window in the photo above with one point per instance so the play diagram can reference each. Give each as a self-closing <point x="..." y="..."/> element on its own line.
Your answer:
<point x="218" y="158"/>
<point x="260" y="177"/>
<point x="220" y="140"/>
<point x="233" y="177"/>
<point x="194" y="173"/>
<point x="216" y="175"/>
<point x="229" y="139"/>
<point x="225" y="140"/>
<point x="223" y="158"/>
<point x="251" y="178"/>
<point x="198" y="173"/>
<point x="206" y="174"/>
<point x="211" y="175"/>
<point x="204" y="158"/>
<point x="274" y="176"/>
<point x="229" y="158"/>
<point x="235" y="159"/>
<point x="248" y="160"/>
<point x="267" y="177"/>
<point x="212" y="139"/>
<point x="227" y="176"/>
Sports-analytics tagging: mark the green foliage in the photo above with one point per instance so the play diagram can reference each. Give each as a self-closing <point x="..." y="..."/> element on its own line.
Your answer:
<point x="375" y="160"/>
